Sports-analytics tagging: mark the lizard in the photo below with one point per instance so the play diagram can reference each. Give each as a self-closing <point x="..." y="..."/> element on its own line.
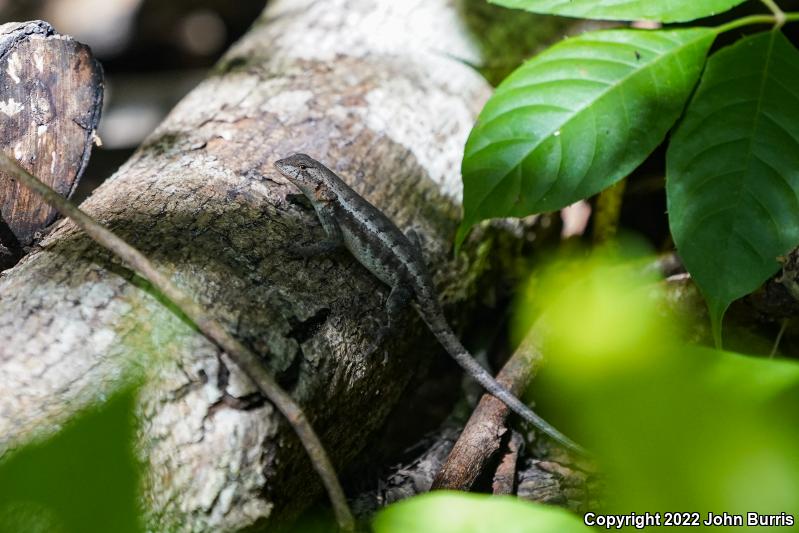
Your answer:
<point x="396" y="259"/>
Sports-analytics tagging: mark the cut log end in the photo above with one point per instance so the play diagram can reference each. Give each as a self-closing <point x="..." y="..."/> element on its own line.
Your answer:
<point x="51" y="92"/>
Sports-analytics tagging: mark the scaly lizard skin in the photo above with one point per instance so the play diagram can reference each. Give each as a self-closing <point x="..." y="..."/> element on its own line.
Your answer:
<point x="396" y="259"/>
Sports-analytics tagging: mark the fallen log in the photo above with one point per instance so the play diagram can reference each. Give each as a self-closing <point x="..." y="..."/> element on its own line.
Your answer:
<point x="357" y="87"/>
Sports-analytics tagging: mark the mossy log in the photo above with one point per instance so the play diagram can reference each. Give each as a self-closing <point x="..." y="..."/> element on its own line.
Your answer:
<point x="371" y="89"/>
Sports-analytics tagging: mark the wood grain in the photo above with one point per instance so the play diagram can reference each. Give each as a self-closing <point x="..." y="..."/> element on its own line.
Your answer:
<point x="51" y="91"/>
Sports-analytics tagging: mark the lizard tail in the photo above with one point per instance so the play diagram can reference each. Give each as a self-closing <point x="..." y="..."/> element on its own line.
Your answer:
<point x="438" y="325"/>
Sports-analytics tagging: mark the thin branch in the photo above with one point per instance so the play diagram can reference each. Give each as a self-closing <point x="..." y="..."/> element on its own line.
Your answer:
<point x="779" y="14"/>
<point x="481" y="437"/>
<point x="776" y="346"/>
<point x="246" y="360"/>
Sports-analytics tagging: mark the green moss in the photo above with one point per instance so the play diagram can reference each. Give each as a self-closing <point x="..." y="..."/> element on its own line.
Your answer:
<point x="507" y="37"/>
<point x="154" y="331"/>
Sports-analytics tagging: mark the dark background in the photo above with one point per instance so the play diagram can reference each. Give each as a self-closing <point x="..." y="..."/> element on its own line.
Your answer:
<point x="153" y="53"/>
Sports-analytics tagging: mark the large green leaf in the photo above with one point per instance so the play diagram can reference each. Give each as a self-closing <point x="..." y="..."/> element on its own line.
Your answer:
<point x="577" y="118"/>
<point x="85" y="479"/>
<point x="657" y="10"/>
<point x="673" y="426"/>
<point x="457" y="512"/>
<point x="733" y="170"/>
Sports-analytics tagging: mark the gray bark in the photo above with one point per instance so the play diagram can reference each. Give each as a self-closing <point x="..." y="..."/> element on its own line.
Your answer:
<point x="369" y="88"/>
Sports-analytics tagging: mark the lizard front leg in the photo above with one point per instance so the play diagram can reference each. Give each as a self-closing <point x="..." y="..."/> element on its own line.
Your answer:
<point x="413" y="236"/>
<point x="305" y="251"/>
<point x="333" y="237"/>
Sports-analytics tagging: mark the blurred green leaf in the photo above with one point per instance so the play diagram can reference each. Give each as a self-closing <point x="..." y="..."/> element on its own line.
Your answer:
<point x="733" y="170"/>
<point x="458" y="512"/>
<point x="655" y="10"/>
<point x="581" y="303"/>
<point x="82" y="480"/>
<point x="576" y="119"/>
<point x="674" y="427"/>
<point x="696" y="429"/>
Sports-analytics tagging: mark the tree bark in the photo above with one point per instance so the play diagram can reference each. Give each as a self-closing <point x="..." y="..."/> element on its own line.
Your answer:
<point x="367" y="87"/>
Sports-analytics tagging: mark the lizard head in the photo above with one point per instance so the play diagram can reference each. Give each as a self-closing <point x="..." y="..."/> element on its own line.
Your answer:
<point x="303" y="171"/>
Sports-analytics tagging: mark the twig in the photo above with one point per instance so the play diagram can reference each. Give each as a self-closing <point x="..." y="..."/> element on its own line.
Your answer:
<point x="776" y="346"/>
<point x="481" y="437"/>
<point x="246" y="360"/>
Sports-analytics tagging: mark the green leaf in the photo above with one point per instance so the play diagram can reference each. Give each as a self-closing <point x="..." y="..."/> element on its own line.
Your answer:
<point x="576" y="119"/>
<point x="655" y="10"/>
<point x="733" y="170"/>
<point x="458" y="512"/>
<point x="673" y="426"/>
<point x="82" y="480"/>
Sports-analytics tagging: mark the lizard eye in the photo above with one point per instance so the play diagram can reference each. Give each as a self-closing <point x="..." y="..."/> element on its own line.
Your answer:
<point x="303" y="167"/>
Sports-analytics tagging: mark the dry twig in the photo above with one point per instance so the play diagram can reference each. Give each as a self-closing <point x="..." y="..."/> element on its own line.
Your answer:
<point x="483" y="433"/>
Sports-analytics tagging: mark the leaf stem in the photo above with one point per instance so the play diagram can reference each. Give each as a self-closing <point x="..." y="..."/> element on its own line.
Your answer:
<point x="758" y="19"/>
<point x="779" y="14"/>
<point x="246" y="360"/>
